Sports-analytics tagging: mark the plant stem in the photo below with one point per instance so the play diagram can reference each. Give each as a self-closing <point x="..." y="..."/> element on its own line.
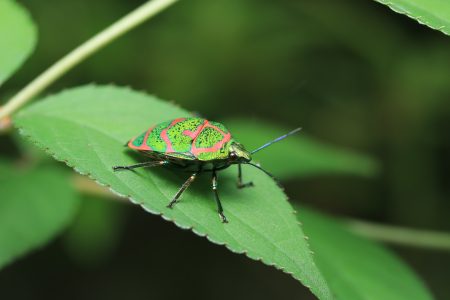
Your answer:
<point x="401" y="236"/>
<point x="128" y="22"/>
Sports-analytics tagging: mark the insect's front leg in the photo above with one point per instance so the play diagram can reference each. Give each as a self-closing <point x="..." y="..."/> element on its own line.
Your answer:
<point x="240" y="184"/>
<point x="140" y="165"/>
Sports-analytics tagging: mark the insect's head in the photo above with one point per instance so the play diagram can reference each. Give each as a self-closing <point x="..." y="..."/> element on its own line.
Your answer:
<point x="238" y="154"/>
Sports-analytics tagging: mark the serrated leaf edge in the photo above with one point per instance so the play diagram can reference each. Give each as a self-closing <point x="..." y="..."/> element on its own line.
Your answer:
<point x="395" y="8"/>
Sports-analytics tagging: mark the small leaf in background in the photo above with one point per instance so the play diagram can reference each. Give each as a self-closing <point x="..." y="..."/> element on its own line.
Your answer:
<point x="432" y="13"/>
<point x="35" y="205"/>
<point x="94" y="235"/>
<point x="17" y="37"/>
<point x="356" y="268"/>
<point x="298" y="155"/>
<point x="87" y="127"/>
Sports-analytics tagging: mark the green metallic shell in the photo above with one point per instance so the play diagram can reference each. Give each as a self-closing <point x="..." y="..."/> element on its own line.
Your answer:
<point x="186" y="138"/>
<point x="154" y="140"/>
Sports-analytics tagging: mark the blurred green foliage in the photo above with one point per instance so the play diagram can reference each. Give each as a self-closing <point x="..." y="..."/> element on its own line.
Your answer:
<point x="95" y="234"/>
<point x="20" y="41"/>
<point x="35" y="206"/>
<point x="300" y="155"/>
<point x="357" y="268"/>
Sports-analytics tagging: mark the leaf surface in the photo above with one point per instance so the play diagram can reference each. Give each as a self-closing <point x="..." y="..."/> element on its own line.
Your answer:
<point x="87" y="128"/>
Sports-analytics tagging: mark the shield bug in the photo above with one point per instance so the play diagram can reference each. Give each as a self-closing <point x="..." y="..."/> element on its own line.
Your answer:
<point x="195" y="145"/>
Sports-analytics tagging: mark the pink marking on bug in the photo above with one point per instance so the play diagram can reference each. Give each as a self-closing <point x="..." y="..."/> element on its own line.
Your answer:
<point x="143" y="146"/>
<point x="226" y="138"/>
<point x="165" y="137"/>
<point x="196" y="151"/>
<point x="130" y="144"/>
<point x="144" y="143"/>
<point x="194" y="134"/>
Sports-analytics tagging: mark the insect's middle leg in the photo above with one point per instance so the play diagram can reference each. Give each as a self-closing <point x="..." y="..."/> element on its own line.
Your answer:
<point x="240" y="184"/>
<point x="185" y="185"/>
<point x="216" y="195"/>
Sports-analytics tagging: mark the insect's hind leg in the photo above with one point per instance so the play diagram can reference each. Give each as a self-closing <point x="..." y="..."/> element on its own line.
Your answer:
<point x="185" y="185"/>
<point x="146" y="164"/>
<point x="216" y="196"/>
<point x="240" y="184"/>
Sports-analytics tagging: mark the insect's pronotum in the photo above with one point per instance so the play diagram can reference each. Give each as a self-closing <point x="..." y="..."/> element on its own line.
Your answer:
<point x="195" y="145"/>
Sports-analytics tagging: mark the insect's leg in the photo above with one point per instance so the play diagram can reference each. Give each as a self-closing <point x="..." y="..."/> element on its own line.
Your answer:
<point x="216" y="195"/>
<point x="140" y="165"/>
<point x="185" y="185"/>
<point x="241" y="185"/>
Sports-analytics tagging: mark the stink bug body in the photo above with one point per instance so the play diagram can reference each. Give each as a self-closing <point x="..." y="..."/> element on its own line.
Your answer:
<point x="195" y="145"/>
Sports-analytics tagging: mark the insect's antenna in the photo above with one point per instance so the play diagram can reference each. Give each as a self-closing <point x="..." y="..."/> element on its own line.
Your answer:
<point x="276" y="140"/>
<point x="267" y="173"/>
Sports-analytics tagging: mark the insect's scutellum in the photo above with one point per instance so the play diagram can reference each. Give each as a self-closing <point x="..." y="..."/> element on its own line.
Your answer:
<point x="195" y="145"/>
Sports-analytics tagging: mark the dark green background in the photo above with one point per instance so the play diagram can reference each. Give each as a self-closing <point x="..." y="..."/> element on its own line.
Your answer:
<point x="352" y="73"/>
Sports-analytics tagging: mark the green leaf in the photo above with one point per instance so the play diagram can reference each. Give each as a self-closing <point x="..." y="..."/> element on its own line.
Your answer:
<point x="87" y="127"/>
<point x="17" y="37"/>
<point x="35" y="205"/>
<point x="432" y="13"/>
<point x="356" y="268"/>
<point x="298" y="155"/>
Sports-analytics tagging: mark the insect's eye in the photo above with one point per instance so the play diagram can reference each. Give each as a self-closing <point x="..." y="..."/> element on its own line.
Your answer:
<point x="233" y="154"/>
